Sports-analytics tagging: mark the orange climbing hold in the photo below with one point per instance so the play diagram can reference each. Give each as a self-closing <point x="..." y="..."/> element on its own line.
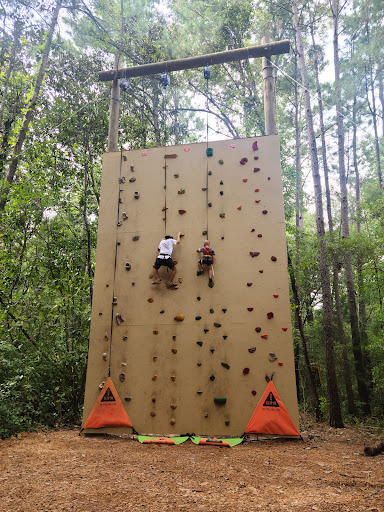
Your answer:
<point x="179" y="318"/>
<point x="108" y="410"/>
<point x="271" y="416"/>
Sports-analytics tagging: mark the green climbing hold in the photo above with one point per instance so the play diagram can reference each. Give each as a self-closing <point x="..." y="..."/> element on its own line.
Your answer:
<point x="200" y="343"/>
<point x="216" y="324"/>
<point x="219" y="400"/>
<point x="225" y="365"/>
<point x="211" y="310"/>
<point x="209" y="151"/>
<point x="198" y="317"/>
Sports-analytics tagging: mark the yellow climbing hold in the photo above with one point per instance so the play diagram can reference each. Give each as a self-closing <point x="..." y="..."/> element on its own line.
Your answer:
<point x="155" y="331"/>
<point x="173" y="377"/>
<point x="179" y="318"/>
<point x="180" y="279"/>
<point x="154" y="377"/>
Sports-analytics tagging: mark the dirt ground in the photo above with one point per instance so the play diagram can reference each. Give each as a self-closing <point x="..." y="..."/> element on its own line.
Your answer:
<point x="60" y="471"/>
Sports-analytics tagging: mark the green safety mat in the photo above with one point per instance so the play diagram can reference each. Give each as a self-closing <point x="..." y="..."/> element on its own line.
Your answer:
<point x="213" y="441"/>
<point x="161" y="440"/>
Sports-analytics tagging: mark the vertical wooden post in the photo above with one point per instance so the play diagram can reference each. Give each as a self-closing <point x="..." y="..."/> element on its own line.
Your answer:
<point x="269" y="88"/>
<point x="114" y="110"/>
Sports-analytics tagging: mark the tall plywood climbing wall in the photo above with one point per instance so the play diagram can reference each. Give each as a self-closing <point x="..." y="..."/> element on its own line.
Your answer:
<point x="169" y="373"/>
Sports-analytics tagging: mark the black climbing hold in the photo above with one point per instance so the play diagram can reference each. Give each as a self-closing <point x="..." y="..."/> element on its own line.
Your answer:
<point x="273" y="258"/>
<point x="206" y="330"/>
<point x="119" y="223"/>
<point x="224" y="310"/>
<point x="220" y="400"/>
<point x="137" y="195"/>
<point x="207" y="72"/>
<point x="204" y="189"/>
<point x="211" y="310"/>
<point x="209" y="151"/>
<point x="200" y="343"/>
<point x="210" y="205"/>
<point x="128" y="398"/>
<point x="222" y="238"/>
<point x="221" y="193"/>
<point x="127" y="266"/>
<point x="222" y="215"/>
<point x="122" y="179"/>
<point x="162" y="312"/>
<point x="221" y="162"/>
<point x="225" y="337"/>
<point x="135" y="238"/>
<point x="118" y="243"/>
<point x="225" y="365"/>
<point x="227" y="422"/>
<point x="205" y="233"/>
<point x="212" y="377"/>
<point x="132" y="167"/>
<point x="221" y="182"/>
<point x="122" y="377"/>
<point x="198" y="317"/>
<point x="198" y="364"/>
<point x="132" y="180"/>
<point x="125" y="338"/>
<point x="198" y="298"/>
<point x="216" y="324"/>
<point x="199" y="392"/>
<point x="206" y="415"/>
<point x="181" y="191"/>
<point x="209" y="173"/>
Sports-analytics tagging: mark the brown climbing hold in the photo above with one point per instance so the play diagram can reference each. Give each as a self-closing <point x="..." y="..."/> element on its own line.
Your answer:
<point x="173" y="377"/>
<point x="264" y="336"/>
<point x="243" y="161"/>
<point x="150" y="299"/>
<point x="275" y="295"/>
<point x="258" y="329"/>
<point x="154" y="377"/>
<point x="105" y="356"/>
<point x="124" y="215"/>
<point x="270" y="315"/>
<point x="119" y="319"/>
<point x="155" y="331"/>
<point x="253" y="392"/>
<point x="175" y="175"/>
<point x="264" y="212"/>
<point x="252" y="350"/>
<point x="164" y="208"/>
<point x="170" y="156"/>
<point x="239" y="207"/>
<point x="284" y="328"/>
<point x="174" y="350"/>
<point x="245" y="180"/>
<point x="272" y="357"/>
<point x="122" y="377"/>
<point x="245" y="371"/>
<point x="249" y="284"/>
<point x="182" y="212"/>
<point x="154" y="358"/>
<point x="135" y="238"/>
<point x="180" y="279"/>
<point x="179" y="318"/>
<point x="254" y="254"/>
<point x="172" y="421"/>
<point x="174" y="338"/>
<point x="153" y="414"/>
<point x="254" y="146"/>
<point x="273" y="258"/>
<point x="173" y="406"/>
<point x="136" y="195"/>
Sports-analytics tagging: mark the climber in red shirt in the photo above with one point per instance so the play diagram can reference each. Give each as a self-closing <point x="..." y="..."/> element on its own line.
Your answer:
<point x="207" y="260"/>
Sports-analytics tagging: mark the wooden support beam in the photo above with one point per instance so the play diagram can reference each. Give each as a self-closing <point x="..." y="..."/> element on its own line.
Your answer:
<point x="265" y="50"/>
<point x="269" y="88"/>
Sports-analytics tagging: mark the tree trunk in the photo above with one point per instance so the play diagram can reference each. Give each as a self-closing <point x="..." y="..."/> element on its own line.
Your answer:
<point x="30" y="110"/>
<point x="336" y="290"/>
<point x="8" y="74"/>
<point x="356" y="340"/>
<point x="333" y="392"/>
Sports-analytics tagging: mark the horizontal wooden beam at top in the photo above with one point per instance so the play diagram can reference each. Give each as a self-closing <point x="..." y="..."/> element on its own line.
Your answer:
<point x="265" y="50"/>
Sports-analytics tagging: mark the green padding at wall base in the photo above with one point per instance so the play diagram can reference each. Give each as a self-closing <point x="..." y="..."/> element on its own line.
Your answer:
<point x="161" y="440"/>
<point x="213" y="441"/>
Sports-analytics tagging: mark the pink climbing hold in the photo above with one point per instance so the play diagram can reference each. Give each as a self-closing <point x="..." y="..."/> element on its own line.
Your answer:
<point x="264" y="336"/>
<point x="260" y="235"/>
<point x="245" y="371"/>
<point x="232" y="146"/>
<point x="254" y="146"/>
<point x="143" y="153"/>
<point x="239" y="207"/>
<point x="256" y="169"/>
<point x="270" y="315"/>
<point x="284" y="328"/>
<point x="250" y="309"/>
<point x="249" y="284"/>
<point x="187" y="149"/>
<point x="254" y="254"/>
<point x="243" y="161"/>
<point x="258" y="329"/>
<point x="280" y="363"/>
<point x="257" y="201"/>
<point x="257" y="190"/>
<point x="245" y="180"/>
<point x="253" y="392"/>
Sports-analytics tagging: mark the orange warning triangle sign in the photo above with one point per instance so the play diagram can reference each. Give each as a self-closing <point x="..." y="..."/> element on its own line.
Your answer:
<point x="108" y="410"/>
<point x="271" y="416"/>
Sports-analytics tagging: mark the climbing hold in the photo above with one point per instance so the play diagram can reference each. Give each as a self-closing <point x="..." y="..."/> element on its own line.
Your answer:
<point x="122" y="179"/>
<point x="179" y="318"/>
<point x="210" y="205"/>
<point x="200" y="343"/>
<point x="154" y="358"/>
<point x="273" y="258"/>
<point x="272" y="357"/>
<point x="206" y="330"/>
<point x="132" y="180"/>
<point x="267" y="377"/>
<point x="225" y="365"/>
<point x="255" y="157"/>
<point x="198" y="298"/>
<point x="232" y="146"/>
<point x="260" y="235"/>
<point x="155" y="331"/>
<point x="239" y="207"/>
<point x="254" y="254"/>
<point x="174" y="338"/>
<point x="209" y="173"/>
<point x="172" y="421"/>
<point x="206" y="415"/>
<point x="249" y="284"/>
<point x="252" y="230"/>
<point x="150" y="299"/>
<point x="137" y="195"/>
<point x="173" y="378"/>
<point x="212" y="377"/>
<point x="221" y="193"/>
<point x="256" y="169"/>
<point x="284" y="328"/>
<point x="227" y="422"/>
<point x="119" y="319"/>
<point x="182" y="211"/>
<point x="221" y="163"/>
<point x="257" y="201"/>
<point x="275" y="295"/>
<point x="125" y="338"/>
<point x="124" y="215"/>
<point x="198" y="317"/>
<point x="222" y="238"/>
<point x="199" y="392"/>
<point x="257" y="190"/>
<point x="280" y="363"/>
<point x="245" y="180"/>
<point x="219" y="400"/>
<point x="222" y="215"/>
<point x="175" y="175"/>
<point x="107" y="285"/>
<point x="153" y="414"/>
<point x="216" y="324"/>
<point x="225" y="337"/>
<point x="105" y="355"/>
<point x="269" y="315"/>
<point x="173" y="406"/>
<point x="119" y="223"/>
<point x="250" y="309"/>
<point x="211" y="310"/>
<point x="204" y="233"/>
<point x="253" y="392"/>
<point x="118" y="243"/>
<point x="164" y="208"/>
<point x="224" y="310"/>
<point x="174" y="350"/>
<point x="135" y="238"/>
<point x="258" y="329"/>
<point x="100" y="314"/>
<point x="261" y="271"/>
<point x="132" y="167"/>
<point x="209" y="151"/>
<point x="252" y="350"/>
<point x="221" y="182"/>
<point x="198" y="364"/>
<point x="243" y="161"/>
<point x="144" y="153"/>
<point x="154" y="377"/>
<point x="127" y="266"/>
<point x="170" y="156"/>
<point x="264" y="212"/>
<point x="181" y="191"/>
<point x="245" y="371"/>
<point x="264" y="336"/>
<point x="269" y="178"/>
<point x="153" y="399"/>
<point x="127" y="398"/>
<point x="122" y="377"/>
<point x="204" y="189"/>
<point x="254" y="146"/>
<point x="101" y="385"/>
<point x="212" y="350"/>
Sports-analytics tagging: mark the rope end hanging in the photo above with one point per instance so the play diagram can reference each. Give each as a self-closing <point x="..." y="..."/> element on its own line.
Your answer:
<point x="164" y="79"/>
<point x="207" y="72"/>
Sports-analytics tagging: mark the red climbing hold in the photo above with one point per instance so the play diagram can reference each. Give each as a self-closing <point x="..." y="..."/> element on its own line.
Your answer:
<point x="261" y="271"/>
<point x="257" y="190"/>
<point x="249" y="284"/>
<point x="264" y="336"/>
<point x="250" y="309"/>
<point x="275" y="295"/>
<point x="284" y="328"/>
<point x="254" y="146"/>
<point x="253" y="392"/>
<point x="245" y="180"/>
<point x="273" y="258"/>
<point x="253" y="230"/>
<point x="245" y="371"/>
<point x="270" y="315"/>
<point x="243" y="161"/>
<point x="280" y="363"/>
<point x="182" y="211"/>
<point x="258" y="329"/>
<point x="260" y="235"/>
<point x="254" y="254"/>
<point x="239" y="207"/>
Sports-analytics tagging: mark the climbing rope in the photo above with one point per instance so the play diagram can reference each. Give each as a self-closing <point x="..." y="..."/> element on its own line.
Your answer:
<point x="165" y="81"/>
<point x="207" y="76"/>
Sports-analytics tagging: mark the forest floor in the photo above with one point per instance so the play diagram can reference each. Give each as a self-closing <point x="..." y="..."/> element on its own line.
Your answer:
<point x="60" y="471"/>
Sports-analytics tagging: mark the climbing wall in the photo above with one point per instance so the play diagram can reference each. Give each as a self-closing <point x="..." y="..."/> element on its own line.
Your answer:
<point x="205" y="374"/>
